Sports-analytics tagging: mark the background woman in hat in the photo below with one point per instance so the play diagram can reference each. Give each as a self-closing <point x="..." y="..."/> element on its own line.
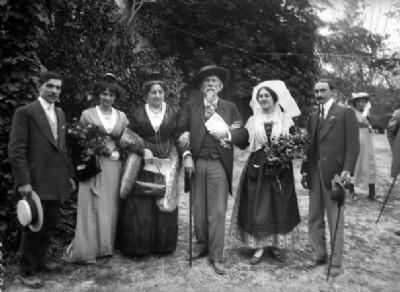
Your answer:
<point x="264" y="214"/>
<point x="98" y="196"/>
<point x="365" y="171"/>
<point x="150" y="224"/>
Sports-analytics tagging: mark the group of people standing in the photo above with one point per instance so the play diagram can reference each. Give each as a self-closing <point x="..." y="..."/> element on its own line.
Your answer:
<point x="201" y="136"/>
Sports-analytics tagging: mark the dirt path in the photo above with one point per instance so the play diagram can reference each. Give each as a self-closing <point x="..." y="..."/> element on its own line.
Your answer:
<point x="371" y="256"/>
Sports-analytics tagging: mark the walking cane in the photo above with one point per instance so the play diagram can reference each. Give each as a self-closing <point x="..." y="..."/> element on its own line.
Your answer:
<point x="187" y="189"/>
<point x="386" y="199"/>
<point x="333" y="242"/>
<point x="337" y="195"/>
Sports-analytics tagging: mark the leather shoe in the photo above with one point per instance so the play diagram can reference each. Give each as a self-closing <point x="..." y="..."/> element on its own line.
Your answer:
<point x="32" y="282"/>
<point x="255" y="259"/>
<point x="218" y="268"/>
<point x="277" y="253"/>
<point x="316" y="263"/>
<point x="49" y="267"/>
<point x="196" y="254"/>
<point x="335" y="271"/>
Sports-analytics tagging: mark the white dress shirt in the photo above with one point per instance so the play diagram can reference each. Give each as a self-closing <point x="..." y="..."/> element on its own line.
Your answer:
<point x="50" y="112"/>
<point x="327" y="106"/>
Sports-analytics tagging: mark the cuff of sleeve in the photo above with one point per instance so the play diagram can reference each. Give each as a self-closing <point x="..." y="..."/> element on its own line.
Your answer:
<point x="229" y="138"/>
<point x="186" y="153"/>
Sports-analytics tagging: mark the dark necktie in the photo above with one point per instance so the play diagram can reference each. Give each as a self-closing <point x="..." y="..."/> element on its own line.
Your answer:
<point x="321" y="114"/>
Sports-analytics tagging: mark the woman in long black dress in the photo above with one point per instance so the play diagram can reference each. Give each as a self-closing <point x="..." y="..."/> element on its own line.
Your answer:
<point x="266" y="210"/>
<point x="148" y="224"/>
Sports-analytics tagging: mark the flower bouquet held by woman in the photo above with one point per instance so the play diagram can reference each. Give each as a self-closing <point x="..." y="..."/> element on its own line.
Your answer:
<point x="92" y="141"/>
<point x="266" y="212"/>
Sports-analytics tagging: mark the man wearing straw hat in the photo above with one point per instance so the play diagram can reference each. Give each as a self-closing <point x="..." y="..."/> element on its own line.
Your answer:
<point x="40" y="165"/>
<point x="215" y="126"/>
<point x="334" y="148"/>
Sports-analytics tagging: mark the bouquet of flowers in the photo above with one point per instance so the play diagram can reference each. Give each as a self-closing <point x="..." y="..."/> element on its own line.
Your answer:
<point x="91" y="140"/>
<point x="281" y="151"/>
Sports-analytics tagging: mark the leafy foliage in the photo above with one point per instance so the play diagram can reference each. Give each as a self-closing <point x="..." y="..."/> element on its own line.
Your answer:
<point x="85" y="41"/>
<point x="256" y="40"/>
<point x="354" y="60"/>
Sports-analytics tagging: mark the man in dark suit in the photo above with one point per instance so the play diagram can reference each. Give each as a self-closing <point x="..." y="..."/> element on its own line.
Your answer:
<point x="395" y="146"/>
<point x="393" y="128"/>
<point x="39" y="161"/>
<point x="334" y="148"/>
<point x="208" y="155"/>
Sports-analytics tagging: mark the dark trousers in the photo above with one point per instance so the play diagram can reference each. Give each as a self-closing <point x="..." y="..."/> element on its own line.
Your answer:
<point x="321" y="202"/>
<point x="210" y="190"/>
<point x="34" y="245"/>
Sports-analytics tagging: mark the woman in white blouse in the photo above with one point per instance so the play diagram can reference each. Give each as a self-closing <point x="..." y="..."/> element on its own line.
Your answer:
<point x="97" y="210"/>
<point x="150" y="224"/>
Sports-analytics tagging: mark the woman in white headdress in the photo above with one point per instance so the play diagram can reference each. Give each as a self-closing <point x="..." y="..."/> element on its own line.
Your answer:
<point x="266" y="210"/>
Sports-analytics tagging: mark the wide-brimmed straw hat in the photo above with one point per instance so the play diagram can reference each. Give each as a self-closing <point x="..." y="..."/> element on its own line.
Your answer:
<point x="30" y="212"/>
<point x="110" y="77"/>
<point x="209" y="70"/>
<point x="359" y="95"/>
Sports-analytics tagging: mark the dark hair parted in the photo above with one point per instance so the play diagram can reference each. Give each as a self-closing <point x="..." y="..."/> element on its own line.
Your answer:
<point x="327" y="81"/>
<point x="102" y="86"/>
<point x="46" y="76"/>
<point x="148" y="84"/>
<point x="270" y="91"/>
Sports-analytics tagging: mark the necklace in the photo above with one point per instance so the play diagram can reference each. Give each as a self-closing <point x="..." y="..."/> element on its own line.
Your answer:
<point x="155" y="111"/>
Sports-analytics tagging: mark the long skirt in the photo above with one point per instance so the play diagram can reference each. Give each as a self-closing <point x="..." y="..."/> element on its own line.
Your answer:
<point x="265" y="212"/>
<point x="365" y="171"/>
<point x="97" y="214"/>
<point x="150" y="225"/>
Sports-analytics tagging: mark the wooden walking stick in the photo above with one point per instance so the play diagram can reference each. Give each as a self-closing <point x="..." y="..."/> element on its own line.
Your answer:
<point x="187" y="189"/>
<point x="386" y="199"/>
<point x="337" y="195"/>
<point x="333" y="242"/>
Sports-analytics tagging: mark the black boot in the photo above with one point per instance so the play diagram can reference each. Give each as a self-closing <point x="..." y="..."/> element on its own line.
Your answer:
<point x="371" y="195"/>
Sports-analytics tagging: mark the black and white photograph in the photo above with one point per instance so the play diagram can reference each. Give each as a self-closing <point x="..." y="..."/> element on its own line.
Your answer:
<point x="199" y="145"/>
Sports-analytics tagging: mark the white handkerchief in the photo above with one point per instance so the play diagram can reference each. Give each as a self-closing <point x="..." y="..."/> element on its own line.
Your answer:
<point x="216" y="122"/>
<point x="159" y="165"/>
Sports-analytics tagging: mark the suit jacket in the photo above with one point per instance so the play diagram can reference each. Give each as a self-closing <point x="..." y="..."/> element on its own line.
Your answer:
<point x="393" y="128"/>
<point x="338" y="143"/>
<point x="192" y="119"/>
<point x="395" y="168"/>
<point x="35" y="156"/>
